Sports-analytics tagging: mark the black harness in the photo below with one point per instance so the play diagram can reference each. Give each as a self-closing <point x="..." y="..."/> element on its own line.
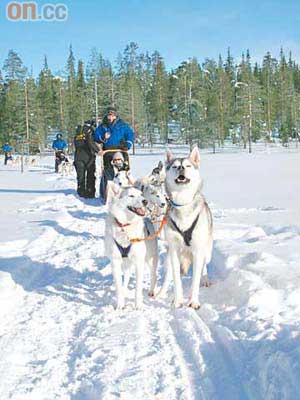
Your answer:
<point x="123" y="250"/>
<point x="186" y="235"/>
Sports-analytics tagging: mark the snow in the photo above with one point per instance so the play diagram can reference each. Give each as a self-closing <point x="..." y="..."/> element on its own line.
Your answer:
<point x="60" y="337"/>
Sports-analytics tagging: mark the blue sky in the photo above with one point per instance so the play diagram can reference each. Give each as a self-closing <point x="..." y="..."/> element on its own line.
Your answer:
<point x="177" y="29"/>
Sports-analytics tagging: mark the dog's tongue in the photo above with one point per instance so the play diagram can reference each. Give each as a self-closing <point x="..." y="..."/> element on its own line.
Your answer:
<point x="140" y="211"/>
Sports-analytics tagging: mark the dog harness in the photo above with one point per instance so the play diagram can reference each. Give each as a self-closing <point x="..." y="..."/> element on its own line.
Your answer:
<point x="123" y="250"/>
<point x="186" y="235"/>
<point x="137" y="240"/>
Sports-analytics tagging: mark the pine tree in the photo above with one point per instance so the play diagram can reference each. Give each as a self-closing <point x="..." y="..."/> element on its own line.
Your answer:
<point x="45" y="93"/>
<point x="158" y="96"/>
<point x="72" y="111"/>
<point x="206" y="104"/>
<point x="268" y="82"/>
<point x="82" y="103"/>
<point x="129" y="97"/>
<point x="13" y="67"/>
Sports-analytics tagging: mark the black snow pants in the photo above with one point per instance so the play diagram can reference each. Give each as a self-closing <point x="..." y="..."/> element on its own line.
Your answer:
<point x="86" y="178"/>
<point x="7" y="157"/>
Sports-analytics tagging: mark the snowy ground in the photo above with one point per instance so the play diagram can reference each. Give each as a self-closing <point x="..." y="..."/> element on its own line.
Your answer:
<point x="60" y="337"/>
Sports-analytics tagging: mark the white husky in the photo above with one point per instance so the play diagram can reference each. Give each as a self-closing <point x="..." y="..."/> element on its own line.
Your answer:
<point x="65" y="168"/>
<point x="189" y="228"/>
<point x="123" y="178"/>
<point x="155" y="196"/>
<point x="125" y="221"/>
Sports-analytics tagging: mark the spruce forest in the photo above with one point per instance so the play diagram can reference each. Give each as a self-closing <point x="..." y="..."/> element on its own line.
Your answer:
<point x="207" y="103"/>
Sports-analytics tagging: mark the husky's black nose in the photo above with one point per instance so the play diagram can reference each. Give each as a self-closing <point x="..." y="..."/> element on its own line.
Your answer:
<point x="163" y="204"/>
<point x="145" y="202"/>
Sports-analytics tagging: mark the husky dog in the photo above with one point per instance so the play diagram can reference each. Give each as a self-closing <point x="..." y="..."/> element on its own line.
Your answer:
<point x="65" y="167"/>
<point x="125" y="221"/>
<point x="157" y="201"/>
<point x="16" y="160"/>
<point x="158" y="175"/>
<point x="189" y="228"/>
<point x="154" y="196"/>
<point x="123" y="178"/>
<point x="157" y="179"/>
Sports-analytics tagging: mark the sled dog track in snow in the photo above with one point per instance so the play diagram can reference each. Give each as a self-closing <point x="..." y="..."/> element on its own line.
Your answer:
<point x="139" y="359"/>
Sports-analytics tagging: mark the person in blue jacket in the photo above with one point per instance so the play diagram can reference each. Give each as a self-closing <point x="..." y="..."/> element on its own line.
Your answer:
<point x="113" y="134"/>
<point x="59" y="146"/>
<point x="7" y="149"/>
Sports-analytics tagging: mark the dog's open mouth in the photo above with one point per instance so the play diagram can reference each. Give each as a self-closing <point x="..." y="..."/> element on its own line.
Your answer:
<point x="182" y="179"/>
<point x="138" y="210"/>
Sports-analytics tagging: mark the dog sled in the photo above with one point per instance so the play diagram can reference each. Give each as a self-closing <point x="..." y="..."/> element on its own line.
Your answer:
<point x="60" y="157"/>
<point x="109" y="165"/>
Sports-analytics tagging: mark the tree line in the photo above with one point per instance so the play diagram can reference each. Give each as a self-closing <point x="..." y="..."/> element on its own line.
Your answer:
<point x="205" y="103"/>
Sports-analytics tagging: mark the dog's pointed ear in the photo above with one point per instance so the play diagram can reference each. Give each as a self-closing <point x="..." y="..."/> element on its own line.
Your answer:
<point x="160" y="165"/>
<point x="113" y="191"/>
<point x="195" y="156"/>
<point x="169" y="156"/>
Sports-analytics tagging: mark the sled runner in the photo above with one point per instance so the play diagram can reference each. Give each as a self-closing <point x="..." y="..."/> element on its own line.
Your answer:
<point x="109" y="168"/>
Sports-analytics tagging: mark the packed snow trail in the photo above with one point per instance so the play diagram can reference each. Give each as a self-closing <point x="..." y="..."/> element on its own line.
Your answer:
<point x="61" y="338"/>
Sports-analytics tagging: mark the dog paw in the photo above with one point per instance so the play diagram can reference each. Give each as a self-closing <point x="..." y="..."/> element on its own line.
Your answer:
<point x="194" y="304"/>
<point x="178" y="304"/>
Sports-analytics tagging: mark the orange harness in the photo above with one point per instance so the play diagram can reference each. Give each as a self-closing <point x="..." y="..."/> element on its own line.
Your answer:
<point x="154" y="235"/>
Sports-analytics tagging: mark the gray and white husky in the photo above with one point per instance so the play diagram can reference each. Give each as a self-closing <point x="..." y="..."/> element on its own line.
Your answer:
<point x="189" y="229"/>
<point x="157" y="202"/>
<point x="158" y="175"/>
<point x="126" y="221"/>
<point x="155" y="196"/>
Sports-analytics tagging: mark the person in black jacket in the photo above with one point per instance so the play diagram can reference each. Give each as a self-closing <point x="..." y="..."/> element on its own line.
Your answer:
<point x="85" y="159"/>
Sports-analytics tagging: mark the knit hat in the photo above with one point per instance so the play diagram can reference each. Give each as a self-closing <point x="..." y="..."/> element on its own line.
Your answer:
<point x="111" y="110"/>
